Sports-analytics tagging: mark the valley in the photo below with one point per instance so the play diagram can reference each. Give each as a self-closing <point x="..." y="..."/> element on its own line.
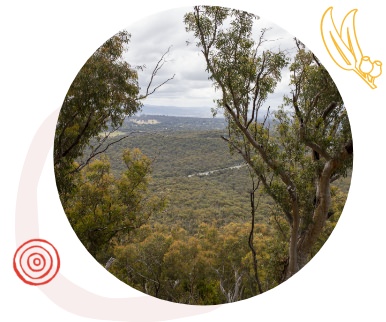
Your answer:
<point x="179" y="209"/>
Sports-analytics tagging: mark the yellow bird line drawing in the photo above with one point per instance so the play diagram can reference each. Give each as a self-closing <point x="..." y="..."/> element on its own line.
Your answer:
<point x="344" y="49"/>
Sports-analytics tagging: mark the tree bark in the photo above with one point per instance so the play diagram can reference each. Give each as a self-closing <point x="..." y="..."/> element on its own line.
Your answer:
<point x="302" y="240"/>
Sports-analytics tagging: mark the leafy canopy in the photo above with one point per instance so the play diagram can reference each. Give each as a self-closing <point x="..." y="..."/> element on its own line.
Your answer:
<point x="296" y="152"/>
<point x="103" y="93"/>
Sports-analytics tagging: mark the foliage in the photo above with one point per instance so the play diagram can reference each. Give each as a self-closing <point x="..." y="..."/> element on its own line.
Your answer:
<point x="185" y="235"/>
<point x="101" y="208"/>
<point x="202" y="256"/>
<point x="212" y="266"/>
<point x="191" y="251"/>
<point x="311" y="145"/>
<point x="102" y="94"/>
<point x="105" y="208"/>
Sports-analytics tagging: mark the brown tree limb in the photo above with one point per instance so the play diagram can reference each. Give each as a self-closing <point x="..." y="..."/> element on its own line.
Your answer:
<point x="273" y="164"/>
<point x="252" y="231"/>
<point x="262" y="179"/>
<point x="329" y="109"/>
<point x="156" y="69"/>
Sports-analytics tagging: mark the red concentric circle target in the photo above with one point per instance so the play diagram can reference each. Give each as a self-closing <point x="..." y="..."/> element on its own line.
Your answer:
<point x="36" y="262"/>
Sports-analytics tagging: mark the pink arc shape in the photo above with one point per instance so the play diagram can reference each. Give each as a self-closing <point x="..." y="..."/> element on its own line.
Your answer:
<point x="62" y="291"/>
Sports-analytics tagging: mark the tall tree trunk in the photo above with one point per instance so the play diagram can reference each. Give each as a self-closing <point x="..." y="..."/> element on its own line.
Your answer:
<point x="251" y="234"/>
<point x="302" y="240"/>
<point x="293" y="266"/>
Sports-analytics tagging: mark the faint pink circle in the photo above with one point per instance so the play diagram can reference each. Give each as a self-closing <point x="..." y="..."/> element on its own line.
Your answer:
<point x="80" y="301"/>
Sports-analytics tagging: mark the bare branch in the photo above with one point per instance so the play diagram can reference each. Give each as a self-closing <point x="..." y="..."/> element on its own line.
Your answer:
<point x="255" y="108"/>
<point x="273" y="164"/>
<point x="260" y="176"/>
<point x="94" y="153"/>
<point x="318" y="149"/>
<point x="109" y="262"/>
<point x="156" y="69"/>
<point x="313" y="145"/>
<point x="334" y="178"/>
<point x="266" y="115"/>
<point x="254" y="205"/>
<point x="329" y="109"/>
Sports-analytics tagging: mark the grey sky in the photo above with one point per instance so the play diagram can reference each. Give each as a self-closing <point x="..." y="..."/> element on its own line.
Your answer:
<point x="152" y="36"/>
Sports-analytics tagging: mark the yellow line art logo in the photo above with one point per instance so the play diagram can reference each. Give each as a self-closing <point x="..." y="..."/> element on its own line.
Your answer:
<point x="344" y="48"/>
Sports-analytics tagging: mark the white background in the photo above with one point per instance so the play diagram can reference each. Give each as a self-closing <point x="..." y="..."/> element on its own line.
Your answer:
<point x="43" y="46"/>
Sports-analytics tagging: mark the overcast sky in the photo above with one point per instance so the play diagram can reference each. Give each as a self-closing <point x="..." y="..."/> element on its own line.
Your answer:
<point x="152" y="36"/>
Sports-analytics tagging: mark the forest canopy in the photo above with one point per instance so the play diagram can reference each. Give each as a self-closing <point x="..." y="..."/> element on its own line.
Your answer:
<point x="194" y="212"/>
<point x="312" y="145"/>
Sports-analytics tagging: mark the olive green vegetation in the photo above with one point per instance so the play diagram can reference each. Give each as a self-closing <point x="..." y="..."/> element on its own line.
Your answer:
<point x="175" y="234"/>
<point x="105" y="208"/>
<point x="180" y="160"/>
<point x="312" y="145"/>
<point x="195" y="248"/>
<point x="167" y="204"/>
<point x="89" y="108"/>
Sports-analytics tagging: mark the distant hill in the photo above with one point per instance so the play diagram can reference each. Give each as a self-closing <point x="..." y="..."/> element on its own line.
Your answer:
<point x="162" y="123"/>
<point x="194" y="112"/>
<point x="202" y="112"/>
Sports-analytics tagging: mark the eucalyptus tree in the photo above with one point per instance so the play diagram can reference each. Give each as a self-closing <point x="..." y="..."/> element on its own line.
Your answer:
<point x="106" y="209"/>
<point x="101" y="208"/>
<point x="102" y="95"/>
<point x="304" y="147"/>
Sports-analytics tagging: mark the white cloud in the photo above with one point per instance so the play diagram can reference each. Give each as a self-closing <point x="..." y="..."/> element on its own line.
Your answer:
<point x="152" y="36"/>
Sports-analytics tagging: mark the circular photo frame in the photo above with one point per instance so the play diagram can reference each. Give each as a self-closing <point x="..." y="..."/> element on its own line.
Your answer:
<point x="208" y="168"/>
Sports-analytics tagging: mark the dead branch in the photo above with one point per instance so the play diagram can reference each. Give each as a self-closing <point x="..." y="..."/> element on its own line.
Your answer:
<point x="156" y="69"/>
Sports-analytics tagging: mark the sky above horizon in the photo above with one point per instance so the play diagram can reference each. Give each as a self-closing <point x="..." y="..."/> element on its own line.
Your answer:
<point x="152" y="36"/>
